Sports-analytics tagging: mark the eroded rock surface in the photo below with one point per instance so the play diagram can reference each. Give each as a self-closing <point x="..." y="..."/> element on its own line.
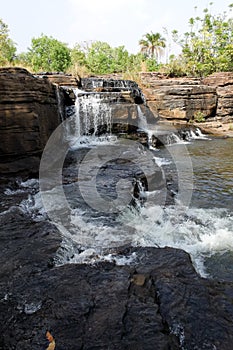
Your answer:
<point x="179" y="98"/>
<point x="156" y="302"/>
<point x="223" y="82"/>
<point x="28" y="115"/>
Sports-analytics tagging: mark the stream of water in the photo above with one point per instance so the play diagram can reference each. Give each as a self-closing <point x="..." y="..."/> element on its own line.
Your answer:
<point x="185" y="201"/>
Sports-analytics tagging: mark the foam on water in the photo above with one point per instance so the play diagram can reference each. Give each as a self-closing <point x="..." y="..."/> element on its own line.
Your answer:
<point x="161" y="161"/>
<point x="91" y="141"/>
<point x="198" y="135"/>
<point x="200" y="232"/>
<point x="91" y="256"/>
<point x="22" y="186"/>
<point x="10" y="192"/>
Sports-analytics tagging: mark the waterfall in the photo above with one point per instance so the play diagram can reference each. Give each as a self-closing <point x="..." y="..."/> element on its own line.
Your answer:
<point x="90" y="117"/>
<point x="59" y="103"/>
<point x="173" y="138"/>
<point x="91" y="114"/>
<point x="142" y="122"/>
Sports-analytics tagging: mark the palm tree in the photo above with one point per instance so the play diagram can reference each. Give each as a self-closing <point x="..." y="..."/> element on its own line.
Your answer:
<point x="152" y="45"/>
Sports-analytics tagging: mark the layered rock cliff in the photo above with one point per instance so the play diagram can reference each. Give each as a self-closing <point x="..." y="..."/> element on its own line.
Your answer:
<point x="28" y="115"/>
<point x="179" y="98"/>
<point x="207" y="102"/>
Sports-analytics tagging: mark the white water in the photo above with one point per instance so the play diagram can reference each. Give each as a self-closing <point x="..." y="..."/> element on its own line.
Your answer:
<point x="91" y="112"/>
<point x="142" y="122"/>
<point x="171" y="137"/>
<point x="200" y="232"/>
<point x="59" y="103"/>
<point x="198" y="135"/>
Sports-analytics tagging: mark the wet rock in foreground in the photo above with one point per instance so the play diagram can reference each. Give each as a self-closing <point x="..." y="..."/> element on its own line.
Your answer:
<point x="158" y="302"/>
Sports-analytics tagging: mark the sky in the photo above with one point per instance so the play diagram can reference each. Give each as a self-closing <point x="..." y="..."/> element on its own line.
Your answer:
<point x="118" y="22"/>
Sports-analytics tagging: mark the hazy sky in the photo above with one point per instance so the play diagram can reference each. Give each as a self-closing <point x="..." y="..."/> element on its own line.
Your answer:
<point x="118" y="22"/>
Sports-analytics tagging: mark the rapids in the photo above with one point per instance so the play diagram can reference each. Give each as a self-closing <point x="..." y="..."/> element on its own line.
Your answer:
<point x="112" y="192"/>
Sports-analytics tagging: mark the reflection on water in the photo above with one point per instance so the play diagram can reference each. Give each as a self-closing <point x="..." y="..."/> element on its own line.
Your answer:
<point x="213" y="173"/>
<point x="205" y="230"/>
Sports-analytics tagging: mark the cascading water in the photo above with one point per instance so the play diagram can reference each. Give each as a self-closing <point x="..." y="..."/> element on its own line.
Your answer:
<point x="59" y="103"/>
<point x="90" y="115"/>
<point x="142" y="121"/>
<point x="100" y="176"/>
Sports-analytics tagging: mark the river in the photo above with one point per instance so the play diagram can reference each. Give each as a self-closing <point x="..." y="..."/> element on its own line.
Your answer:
<point x="94" y="217"/>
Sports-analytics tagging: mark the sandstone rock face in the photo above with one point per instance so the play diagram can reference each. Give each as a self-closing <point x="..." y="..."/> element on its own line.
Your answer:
<point x="28" y="115"/>
<point x="61" y="79"/>
<point x="223" y="82"/>
<point x="179" y="98"/>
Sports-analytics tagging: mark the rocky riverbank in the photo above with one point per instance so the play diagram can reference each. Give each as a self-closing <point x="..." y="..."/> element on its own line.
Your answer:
<point x="32" y="107"/>
<point x="128" y="297"/>
<point x="206" y="103"/>
<point x="156" y="301"/>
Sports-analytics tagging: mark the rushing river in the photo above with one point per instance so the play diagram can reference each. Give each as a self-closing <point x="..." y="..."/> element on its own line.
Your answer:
<point x="147" y="217"/>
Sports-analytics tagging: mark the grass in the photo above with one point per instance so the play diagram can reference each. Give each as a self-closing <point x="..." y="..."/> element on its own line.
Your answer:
<point x="199" y="117"/>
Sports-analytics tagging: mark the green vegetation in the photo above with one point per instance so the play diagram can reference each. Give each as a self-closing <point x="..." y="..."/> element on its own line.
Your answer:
<point x="199" y="117"/>
<point x="152" y="45"/>
<point x="48" y="54"/>
<point x="7" y="46"/>
<point x="206" y="48"/>
<point x="101" y="58"/>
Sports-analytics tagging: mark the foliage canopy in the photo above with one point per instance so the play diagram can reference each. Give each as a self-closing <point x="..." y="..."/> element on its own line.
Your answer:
<point x="48" y="54"/>
<point x="152" y="45"/>
<point x="7" y="46"/>
<point x="206" y="48"/>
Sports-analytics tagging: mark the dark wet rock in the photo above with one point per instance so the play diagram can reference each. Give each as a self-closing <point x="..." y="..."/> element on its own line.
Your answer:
<point x="158" y="301"/>
<point x="113" y="85"/>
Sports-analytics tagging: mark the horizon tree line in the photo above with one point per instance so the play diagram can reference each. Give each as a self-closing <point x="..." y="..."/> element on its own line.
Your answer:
<point x="206" y="48"/>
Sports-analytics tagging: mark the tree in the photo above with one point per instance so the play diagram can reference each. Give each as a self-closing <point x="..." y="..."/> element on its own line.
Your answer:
<point x="7" y="46"/>
<point x="152" y="45"/>
<point x="101" y="58"/>
<point x="78" y="55"/>
<point x="207" y="47"/>
<point x="49" y="54"/>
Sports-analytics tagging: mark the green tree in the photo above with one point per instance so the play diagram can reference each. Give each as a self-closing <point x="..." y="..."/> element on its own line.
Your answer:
<point x="208" y="46"/>
<point x="101" y="58"/>
<point x="121" y="59"/>
<point x="78" y="55"/>
<point x="49" y="54"/>
<point x="7" y="46"/>
<point x="152" y="45"/>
